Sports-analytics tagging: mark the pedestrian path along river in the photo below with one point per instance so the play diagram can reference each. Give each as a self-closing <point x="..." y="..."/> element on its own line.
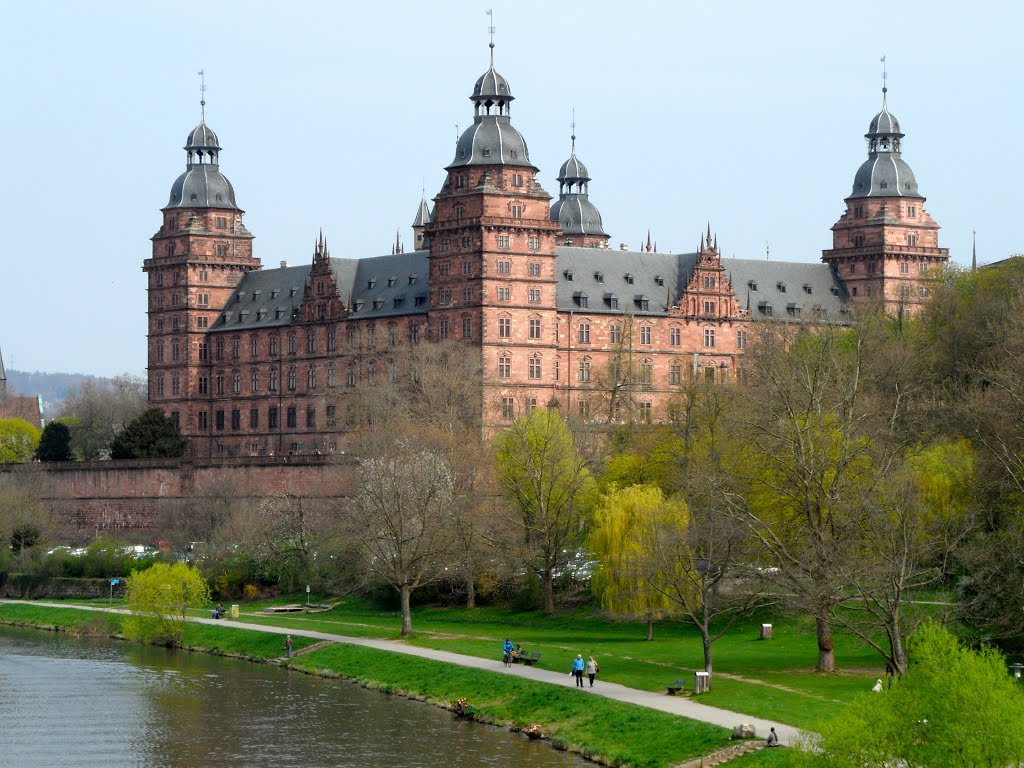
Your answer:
<point x="673" y="704"/>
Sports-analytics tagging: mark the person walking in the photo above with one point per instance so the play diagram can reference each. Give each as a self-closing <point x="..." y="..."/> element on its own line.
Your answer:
<point x="592" y="669"/>
<point x="288" y="646"/>
<point x="577" y="669"/>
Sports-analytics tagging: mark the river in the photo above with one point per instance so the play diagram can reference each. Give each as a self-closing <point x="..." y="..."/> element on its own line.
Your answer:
<point x="91" y="703"/>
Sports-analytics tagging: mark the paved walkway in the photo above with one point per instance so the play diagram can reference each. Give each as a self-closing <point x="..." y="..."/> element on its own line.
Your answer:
<point x="675" y="705"/>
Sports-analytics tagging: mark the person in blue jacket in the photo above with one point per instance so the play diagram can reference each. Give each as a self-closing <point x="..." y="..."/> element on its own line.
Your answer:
<point x="577" y="669"/>
<point x="507" y="652"/>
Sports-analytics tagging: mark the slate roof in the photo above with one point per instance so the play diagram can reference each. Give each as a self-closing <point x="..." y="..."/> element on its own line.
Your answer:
<point x="577" y="215"/>
<point x="491" y="140"/>
<point x="379" y="286"/>
<point x="202" y="186"/>
<point x="202" y="137"/>
<point x="613" y="282"/>
<point x="884" y="174"/>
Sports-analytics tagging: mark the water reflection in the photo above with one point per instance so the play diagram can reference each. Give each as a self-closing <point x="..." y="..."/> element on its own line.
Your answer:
<point x="103" y="704"/>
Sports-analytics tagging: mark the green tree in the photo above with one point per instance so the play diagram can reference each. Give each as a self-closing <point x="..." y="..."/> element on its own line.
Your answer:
<point x="55" y="443"/>
<point x="18" y="441"/>
<point x="956" y="707"/>
<point x="150" y="435"/>
<point x="551" y="490"/>
<point x="625" y="582"/>
<point x="159" y="598"/>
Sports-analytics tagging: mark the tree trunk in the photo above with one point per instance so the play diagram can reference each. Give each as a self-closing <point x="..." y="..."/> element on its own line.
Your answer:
<point x="705" y="639"/>
<point x="650" y="628"/>
<point x="470" y="592"/>
<point x="826" y="647"/>
<point x="549" y="591"/>
<point x="406" y="611"/>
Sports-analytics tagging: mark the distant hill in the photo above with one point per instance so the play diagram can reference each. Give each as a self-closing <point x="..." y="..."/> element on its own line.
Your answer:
<point x="54" y="387"/>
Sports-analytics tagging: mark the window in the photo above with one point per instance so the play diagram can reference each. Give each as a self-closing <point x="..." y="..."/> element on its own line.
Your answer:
<point x="504" y="267"/>
<point x="645" y="412"/>
<point x="220" y="384"/>
<point x="272" y="383"/>
<point x="709" y="281"/>
<point x="533" y="243"/>
<point x="175" y="384"/>
<point x="531" y="403"/>
<point x="331" y="415"/>
<point x="584" y="409"/>
<point x="445" y="245"/>
<point x="176" y="323"/>
<point x="646" y="372"/>
<point x="273" y="345"/>
<point x="160" y="386"/>
<point x="582" y="299"/>
<point x="331" y="375"/>
<point x="912" y="238"/>
<point x="175" y="351"/>
<point x="202" y="322"/>
<point x="236" y="419"/>
<point x="222" y="222"/>
<point x="414" y="334"/>
<point x="535" y="367"/>
<point x="445" y="296"/>
<point x="504" y="328"/>
<point x="291" y="379"/>
<point x="204" y="385"/>
<point x="222" y="249"/>
<point x="254" y="381"/>
<point x="504" y="294"/>
<point x="674" y="337"/>
<point x="709" y="338"/>
<point x="272" y="417"/>
<point x="218" y="420"/>
<point x="311" y="342"/>
<point x="904" y="267"/>
<point x="236" y="382"/>
<point x="467" y="328"/>
<point x="516" y="210"/>
<point x="709" y="374"/>
<point x="615" y="334"/>
<point x="204" y="421"/>
<point x="292" y="346"/>
<point x="160" y="352"/>
<point x="853" y="269"/>
<point x="310" y="417"/>
<point x="392" y="336"/>
<point x="534" y="328"/>
<point x="555" y="369"/>
<point x="645" y="334"/>
<point x="254" y="418"/>
<point x="858" y="212"/>
<point x="504" y="241"/>
<point x="350" y="377"/>
<point x="442" y="330"/>
<point x="292" y="416"/>
<point x="642" y="303"/>
<point x="203" y="299"/>
<point x="517" y="179"/>
<point x="331" y="341"/>
<point x="508" y="408"/>
<point x="311" y="377"/>
<point x="709" y="307"/>
<point x="911" y="211"/>
<point x="675" y="374"/>
<point x="533" y="269"/>
<point x="741" y="339"/>
<point x="583" y="333"/>
<point x="467" y="294"/>
<point x="467" y="266"/>
<point x="504" y="367"/>
<point x="583" y="371"/>
<point x="535" y="295"/>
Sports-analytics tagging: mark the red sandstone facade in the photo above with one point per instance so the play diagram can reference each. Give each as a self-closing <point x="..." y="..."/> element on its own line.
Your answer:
<point x="258" y="362"/>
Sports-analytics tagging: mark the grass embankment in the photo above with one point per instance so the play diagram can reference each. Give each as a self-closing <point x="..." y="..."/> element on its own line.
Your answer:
<point x="609" y="731"/>
<point x="770" y="679"/>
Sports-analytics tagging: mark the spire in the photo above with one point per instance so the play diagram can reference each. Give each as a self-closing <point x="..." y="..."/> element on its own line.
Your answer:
<point x="648" y="241"/>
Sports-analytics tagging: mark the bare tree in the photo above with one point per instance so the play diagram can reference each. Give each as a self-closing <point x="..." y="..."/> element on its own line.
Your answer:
<point x="97" y="411"/>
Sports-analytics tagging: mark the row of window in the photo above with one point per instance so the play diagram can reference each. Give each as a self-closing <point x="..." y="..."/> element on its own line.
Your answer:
<point x="642" y="374"/>
<point x="904" y="267"/>
<point x="222" y="420"/>
<point x="504" y="267"/>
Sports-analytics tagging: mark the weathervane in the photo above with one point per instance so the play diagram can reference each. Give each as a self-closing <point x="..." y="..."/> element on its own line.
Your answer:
<point x="884" y="75"/>
<point x="573" y="134"/>
<point x="490" y="30"/>
<point x="202" y="93"/>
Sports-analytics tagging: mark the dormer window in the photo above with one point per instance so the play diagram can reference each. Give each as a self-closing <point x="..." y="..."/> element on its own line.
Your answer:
<point x="399" y="301"/>
<point x="378" y="303"/>
<point x="255" y="295"/>
<point x="294" y="290"/>
<point x="412" y="279"/>
<point x="599" y="277"/>
<point x="486" y="152"/>
<point x="359" y="306"/>
<point x="581" y="299"/>
<point x="391" y="281"/>
<point x="642" y="303"/>
<point x="766" y="308"/>
<point x="371" y="282"/>
<point x="629" y="278"/>
<point x="567" y="274"/>
<point x="781" y="286"/>
<point x="793" y="309"/>
<point x="807" y="288"/>
<point x="273" y="293"/>
<point x="752" y="285"/>
<point x="420" y="299"/>
<point x="835" y="290"/>
<point x="611" y="300"/>
<point x="659" y="279"/>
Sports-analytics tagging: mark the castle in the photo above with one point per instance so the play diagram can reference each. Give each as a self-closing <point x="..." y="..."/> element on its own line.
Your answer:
<point x="253" y="361"/>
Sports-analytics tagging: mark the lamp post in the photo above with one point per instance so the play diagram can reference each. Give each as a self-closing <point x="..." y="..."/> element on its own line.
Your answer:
<point x="1016" y="670"/>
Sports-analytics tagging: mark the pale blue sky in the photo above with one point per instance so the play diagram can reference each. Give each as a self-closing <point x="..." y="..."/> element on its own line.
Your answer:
<point x="750" y="115"/>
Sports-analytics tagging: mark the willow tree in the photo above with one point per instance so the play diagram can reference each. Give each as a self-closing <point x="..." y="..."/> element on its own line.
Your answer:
<point x="550" y="488"/>
<point x="159" y="599"/>
<point x="624" y="582"/>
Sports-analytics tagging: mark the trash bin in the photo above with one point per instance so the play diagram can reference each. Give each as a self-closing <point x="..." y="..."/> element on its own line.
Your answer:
<point x="234" y="611"/>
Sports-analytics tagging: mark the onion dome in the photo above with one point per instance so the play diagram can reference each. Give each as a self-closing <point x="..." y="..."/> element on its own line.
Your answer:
<point x="573" y="211"/>
<point x="885" y="173"/>
<point x="491" y="139"/>
<point x="202" y="185"/>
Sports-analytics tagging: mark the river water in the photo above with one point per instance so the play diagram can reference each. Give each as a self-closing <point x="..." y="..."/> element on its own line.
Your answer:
<point x="86" y="703"/>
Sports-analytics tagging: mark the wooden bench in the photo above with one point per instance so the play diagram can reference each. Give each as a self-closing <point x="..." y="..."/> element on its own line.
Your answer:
<point x="529" y="659"/>
<point x="677" y="687"/>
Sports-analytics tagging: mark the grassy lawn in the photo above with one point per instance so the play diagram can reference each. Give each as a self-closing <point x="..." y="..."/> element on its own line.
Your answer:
<point x="773" y="679"/>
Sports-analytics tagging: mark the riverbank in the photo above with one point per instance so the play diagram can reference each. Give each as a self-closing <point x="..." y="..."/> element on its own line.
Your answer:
<point x="609" y="732"/>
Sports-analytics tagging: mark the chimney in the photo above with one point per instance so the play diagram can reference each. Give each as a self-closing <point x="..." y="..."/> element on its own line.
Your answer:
<point x="284" y="265"/>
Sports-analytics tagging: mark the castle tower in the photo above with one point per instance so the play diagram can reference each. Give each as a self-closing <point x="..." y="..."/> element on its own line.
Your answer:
<point x="200" y="253"/>
<point x="492" y="256"/>
<point x="578" y="218"/>
<point x="419" y="225"/>
<point x="885" y="246"/>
